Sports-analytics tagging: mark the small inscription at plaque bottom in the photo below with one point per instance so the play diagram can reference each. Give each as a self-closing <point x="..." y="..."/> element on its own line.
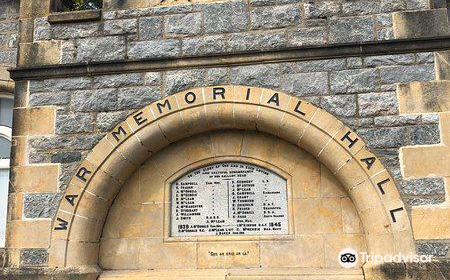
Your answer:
<point x="229" y="198"/>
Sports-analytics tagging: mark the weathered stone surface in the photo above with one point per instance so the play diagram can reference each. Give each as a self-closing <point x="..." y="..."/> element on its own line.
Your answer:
<point x="396" y="120"/>
<point x="429" y="200"/>
<point x="372" y="7"/>
<point x="354" y="62"/>
<point x="322" y="9"/>
<point x="93" y="100"/>
<point x="313" y="66"/>
<point x="217" y="76"/>
<point x="378" y="103"/>
<point x="393" y="137"/>
<point x="34" y="257"/>
<point x="384" y="19"/>
<point x="427" y="57"/>
<point x="307" y="36"/>
<point x="48" y="98"/>
<point x="275" y="16"/>
<point x="418" y="4"/>
<point x="442" y="62"/>
<point x="118" y="80"/>
<point x="80" y="141"/>
<point x="225" y="17"/>
<point x="340" y="105"/>
<point x="354" y="81"/>
<point x="34" y="54"/>
<point x="172" y="9"/>
<point x="354" y="29"/>
<point x="272" y="2"/>
<point x="154" y="49"/>
<point x="425" y="134"/>
<point x="176" y="81"/>
<point x="107" y="121"/>
<point x="256" y="75"/>
<point x="386" y="60"/>
<point x="183" y="24"/>
<point x="306" y="83"/>
<point x="74" y="123"/>
<point x="430" y="118"/>
<point x="59" y="84"/>
<point x="42" y="205"/>
<point x="256" y="41"/>
<point x="433" y="249"/>
<point x="101" y="49"/>
<point x="204" y="45"/>
<point x="426" y="186"/>
<point x="124" y="26"/>
<point x="152" y="78"/>
<point x="75" y="30"/>
<point x="66" y="157"/>
<point x="150" y="28"/>
<point x="136" y="97"/>
<point x="416" y="24"/>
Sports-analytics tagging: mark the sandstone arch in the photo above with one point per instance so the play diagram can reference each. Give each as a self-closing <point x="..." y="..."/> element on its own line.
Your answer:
<point x="79" y="221"/>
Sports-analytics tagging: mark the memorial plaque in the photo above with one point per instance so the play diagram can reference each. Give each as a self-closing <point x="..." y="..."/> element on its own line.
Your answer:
<point x="229" y="199"/>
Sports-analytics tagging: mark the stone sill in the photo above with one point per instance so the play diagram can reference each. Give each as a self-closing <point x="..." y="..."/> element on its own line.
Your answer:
<point x="74" y="16"/>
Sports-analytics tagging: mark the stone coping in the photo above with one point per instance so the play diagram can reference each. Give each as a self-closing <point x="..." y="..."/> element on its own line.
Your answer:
<point x="254" y="57"/>
<point x="74" y="16"/>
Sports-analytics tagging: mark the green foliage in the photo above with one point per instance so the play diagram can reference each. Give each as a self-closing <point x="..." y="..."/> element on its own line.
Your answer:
<point x="78" y="5"/>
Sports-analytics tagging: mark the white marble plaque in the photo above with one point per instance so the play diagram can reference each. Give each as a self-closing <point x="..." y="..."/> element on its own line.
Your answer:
<point x="229" y="198"/>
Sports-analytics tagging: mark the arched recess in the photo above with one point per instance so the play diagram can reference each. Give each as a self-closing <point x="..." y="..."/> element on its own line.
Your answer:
<point x="79" y="221"/>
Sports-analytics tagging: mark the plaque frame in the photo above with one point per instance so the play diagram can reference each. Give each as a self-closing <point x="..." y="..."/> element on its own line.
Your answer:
<point x="223" y="159"/>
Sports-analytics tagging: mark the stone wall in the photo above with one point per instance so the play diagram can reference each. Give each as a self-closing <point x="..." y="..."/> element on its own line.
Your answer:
<point x="9" y="29"/>
<point x="362" y="91"/>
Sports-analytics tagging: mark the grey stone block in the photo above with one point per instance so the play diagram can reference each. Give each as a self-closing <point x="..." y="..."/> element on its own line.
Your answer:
<point x="433" y="249"/>
<point x="74" y="123"/>
<point x="421" y="24"/>
<point x="230" y="16"/>
<point x="406" y="74"/>
<point x="179" y="80"/>
<point x="352" y="29"/>
<point x="314" y="66"/>
<point x="59" y="84"/>
<point x="272" y="2"/>
<point x="354" y="62"/>
<point x="8" y="58"/>
<point x="183" y="24"/>
<point x="385" y="33"/>
<point x="152" y="78"/>
<point x="40" y="205"/>
<point x="94" y="100"/>
<point x="350" y="8"/>
<point x="419" y="201"/>
<point x="418" y="4"/>
<point x="305" y="84"/>
<point x="340" y="105"/>
<point x="427" y="57"/>
<point x="108" y="120"/>
<point x="217" y="76"/>
<point x="66" y="156"/>
<point x="387" y="60"/>
<point x="275" y="16"/>
<point x="430" y="118"/>
<point x="358" y="80"/>
<point x="392" y="137"/>
<point x="322" y="9"/>
<point x="172" y="9"/>
<point x="355" y="122"/>
<point x="396" y="120"/>
<point x="77" y="142"/>
<point x="117" y="80"/>
<point x="154" y="49"/>
<point x="256" y="75"/>
<point x="76" y="30"/>
<point x="204" y="45"/>
<point x="425" y="134"/>
<point x="33" y="257"/>
<point x="256" y="41"/>
<point x="136" y="97"/>
<point x="378" y="103"/>
<point x="306" y="36"/>
<point x="427" y="186"/>
<point x="48" y="98"/>
<point x="122" y="26"/>
<point x="150" y="28"/>
<point x="101" y="49"/>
